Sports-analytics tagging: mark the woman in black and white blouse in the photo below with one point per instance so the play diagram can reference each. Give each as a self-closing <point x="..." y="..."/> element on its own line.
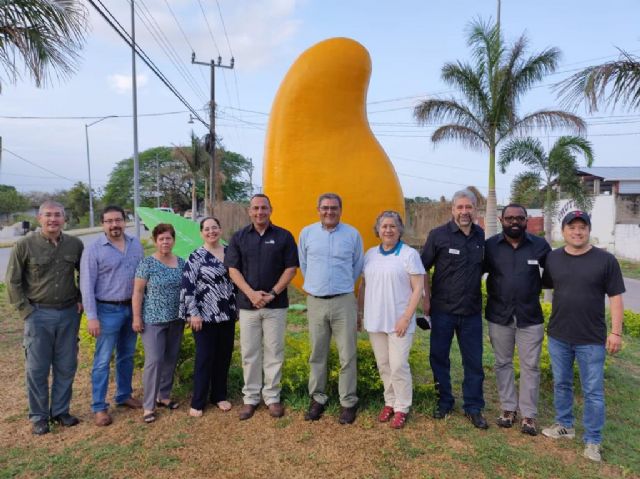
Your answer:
<point x="208" y="304"/>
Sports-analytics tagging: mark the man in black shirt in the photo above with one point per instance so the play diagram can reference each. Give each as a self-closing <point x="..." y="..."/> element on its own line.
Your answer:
<point x="513" y="260"/>
<point x="455" y="250"/>
<point x="262" y="259"/>
<point x="581" y="275"/>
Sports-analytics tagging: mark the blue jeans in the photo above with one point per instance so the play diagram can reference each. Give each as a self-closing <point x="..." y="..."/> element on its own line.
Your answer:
<point x="468" y="330"/>
<point x="590" y="359"/>
<point x="115" y="333"/>
<point x="51" y="348"/>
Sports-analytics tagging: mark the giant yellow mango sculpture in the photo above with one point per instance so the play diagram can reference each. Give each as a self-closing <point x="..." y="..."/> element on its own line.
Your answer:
<point x="319" y="141"/>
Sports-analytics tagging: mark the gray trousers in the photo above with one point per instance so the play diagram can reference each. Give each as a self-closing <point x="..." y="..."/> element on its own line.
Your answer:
<point x="161" y="349"/>
<point x="529" y="342"/>
<point x="335" y="317"/>
<point x="50" y="346"/>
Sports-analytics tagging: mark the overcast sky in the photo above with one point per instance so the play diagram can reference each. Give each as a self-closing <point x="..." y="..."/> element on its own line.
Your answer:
<point x="408" y="41"/>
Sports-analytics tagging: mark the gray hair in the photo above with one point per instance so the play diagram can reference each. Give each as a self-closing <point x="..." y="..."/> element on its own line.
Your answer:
<point x="330" y="196"/>
<point x="389" y="214"/>
<point x="50" y="204"/>
<point x="465" y="194"/>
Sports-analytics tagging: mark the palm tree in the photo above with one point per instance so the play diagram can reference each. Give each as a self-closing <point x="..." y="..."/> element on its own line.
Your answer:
<point x="558" y="167"/>
<point x="44" y="34"/>
<point x="491" y="89"/>
<point x="590" y="85"/>
<point x="195" y="157"/>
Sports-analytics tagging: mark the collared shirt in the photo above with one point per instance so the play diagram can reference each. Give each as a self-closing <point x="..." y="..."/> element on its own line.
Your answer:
<point x="330" y="260"/>
<point x="457" y="261"/>
<point x="106" y="273"/>
<point x="40" y="271"/>
<point x="261" y="259"/>
<point x="514" y="281"/>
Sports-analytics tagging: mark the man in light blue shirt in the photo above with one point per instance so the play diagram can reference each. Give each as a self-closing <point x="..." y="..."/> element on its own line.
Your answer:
<point x="331" y="258"/>
<point x="107" y="271"/>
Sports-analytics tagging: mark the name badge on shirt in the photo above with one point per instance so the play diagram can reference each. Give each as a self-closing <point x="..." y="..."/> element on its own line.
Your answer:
<point x="270" y="241"/>
<point x="532" y="261"/>
<point x="454" y="251"/>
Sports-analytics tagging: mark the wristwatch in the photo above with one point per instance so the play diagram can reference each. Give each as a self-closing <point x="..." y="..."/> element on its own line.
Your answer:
<point x="273" y="292"/>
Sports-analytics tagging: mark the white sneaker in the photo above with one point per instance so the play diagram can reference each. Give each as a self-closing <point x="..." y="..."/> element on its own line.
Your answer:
<point x="592" y="452"/>
<point x="557" y="431"/>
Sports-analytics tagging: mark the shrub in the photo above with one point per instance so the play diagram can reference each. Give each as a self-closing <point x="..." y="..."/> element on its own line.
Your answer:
<point x="632" y="323"/>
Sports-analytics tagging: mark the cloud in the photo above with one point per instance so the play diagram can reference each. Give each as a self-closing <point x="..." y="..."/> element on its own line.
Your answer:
<point x="257" y="29"/>
<point x="122" y="83"/>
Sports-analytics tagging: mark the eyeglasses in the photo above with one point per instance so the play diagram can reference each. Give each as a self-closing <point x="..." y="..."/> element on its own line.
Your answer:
<point x="511" y="219"/>
<point x="117" y="221"/>
<point x="329" y="208"/>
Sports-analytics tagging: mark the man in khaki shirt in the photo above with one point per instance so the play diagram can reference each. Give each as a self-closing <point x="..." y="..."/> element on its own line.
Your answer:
<point x="42" y="286"/>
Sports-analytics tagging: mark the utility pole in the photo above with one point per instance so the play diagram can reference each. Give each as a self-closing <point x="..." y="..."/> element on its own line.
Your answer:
<point x="498" y="18"/>
<point x="136" y="163"/>
<point x="157" y="181"/>
<point x="211" y="143"/>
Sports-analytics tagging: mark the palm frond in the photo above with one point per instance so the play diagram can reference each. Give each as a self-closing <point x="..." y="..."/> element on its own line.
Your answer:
<point x="549" y="120"/>
<point x="464" y="78"/>
<point x="528" y="151"/>
<point x="572" y="145"/>
<point x="45" y="35"/>
<point x="621" y="79"/>
<point x="447" y="110"/>
<point x="467" y="136"/>
<point x="533" y="70"/>
<point x="526" y="189"/>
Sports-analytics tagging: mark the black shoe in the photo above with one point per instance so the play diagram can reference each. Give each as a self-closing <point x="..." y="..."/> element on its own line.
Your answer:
<point x="477" y="419"/>
<point x="315" y="411"/>
<point x="66" y="420"/>
<point x="439" y="413"/>
<point x="40" y="427"/>
<point x="347" y="415"/>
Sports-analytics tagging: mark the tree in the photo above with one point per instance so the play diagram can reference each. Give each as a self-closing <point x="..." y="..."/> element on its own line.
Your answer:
<point x="76" y="201"/>
<point x="11" y="201"/>
<point x="525" y="190"/>
<point x="491" y="88"/>
<point x="612" y="83"/>
<point x="194" y="158"/>
<point x="45" y="35"/>
<point x="558" y="167"/>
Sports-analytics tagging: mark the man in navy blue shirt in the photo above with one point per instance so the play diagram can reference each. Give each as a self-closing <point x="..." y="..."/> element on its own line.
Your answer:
<point x="455" y="251"/>
<point x="513" y="259"/>
<point x="262" y="259"/>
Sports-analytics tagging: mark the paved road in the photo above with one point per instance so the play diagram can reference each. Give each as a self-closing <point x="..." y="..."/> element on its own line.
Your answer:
<point x="86" y="239"/>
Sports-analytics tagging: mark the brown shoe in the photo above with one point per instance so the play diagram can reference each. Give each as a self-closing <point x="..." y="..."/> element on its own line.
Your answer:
<point x="315" y="411"/>
<point x="246" y="411"/>
<point x="131" y="403"/>
<point x="103" y="418"/>
<point x="276" y="409"/>
<point x="347" y="415"/>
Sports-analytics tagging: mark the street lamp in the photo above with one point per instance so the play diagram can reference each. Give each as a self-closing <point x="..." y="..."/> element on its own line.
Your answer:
<point x="86" y="134"/>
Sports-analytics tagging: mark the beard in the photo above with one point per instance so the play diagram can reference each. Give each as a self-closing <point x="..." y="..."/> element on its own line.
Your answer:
<point x="514" y="232"/>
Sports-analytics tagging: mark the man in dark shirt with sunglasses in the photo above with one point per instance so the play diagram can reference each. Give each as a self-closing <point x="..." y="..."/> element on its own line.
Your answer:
<point x="513" y="260"/>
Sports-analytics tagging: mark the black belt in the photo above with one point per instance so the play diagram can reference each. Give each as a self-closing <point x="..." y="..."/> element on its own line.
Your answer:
<point x="124" y="302"/>
<point x="330" y="296"/>
<point x="57" y="306"/>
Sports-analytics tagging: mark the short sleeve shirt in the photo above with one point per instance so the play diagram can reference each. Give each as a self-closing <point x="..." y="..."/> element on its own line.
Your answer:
<point x="162" y="293"/>
<point x="388" y="287"/>
<point x="580" y="283"/>
<point x="457" y="262"/>
<point x="262" y="259"/>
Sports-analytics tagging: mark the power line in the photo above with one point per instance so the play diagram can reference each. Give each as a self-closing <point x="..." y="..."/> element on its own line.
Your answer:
<point x="204" y="15"/>
<point x="110" y="19"/>
<point x="152" y="26"/>
<point x="38" y="166"/>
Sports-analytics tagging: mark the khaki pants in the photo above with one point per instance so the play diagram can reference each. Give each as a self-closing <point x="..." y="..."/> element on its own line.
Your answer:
<point x="392" y="357"/>
<point x="262" y="350"/>
<point x="338" y="317"/>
